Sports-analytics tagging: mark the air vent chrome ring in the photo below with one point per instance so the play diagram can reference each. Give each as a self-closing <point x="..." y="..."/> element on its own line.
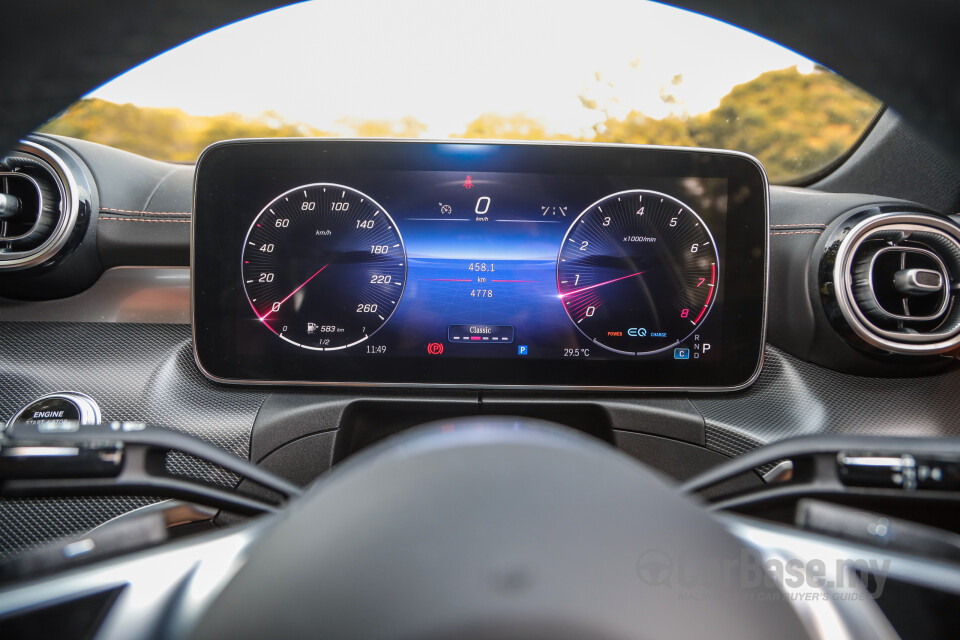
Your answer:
<point x="52" y="234"/>
<point x="926" y="293"/>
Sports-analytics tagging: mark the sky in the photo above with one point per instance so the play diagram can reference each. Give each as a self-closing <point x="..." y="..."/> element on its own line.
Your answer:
<point x="446" y="62"/>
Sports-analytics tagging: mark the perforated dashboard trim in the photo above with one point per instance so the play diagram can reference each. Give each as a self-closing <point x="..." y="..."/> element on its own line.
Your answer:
<point x="795" y="398"/>
<point x="146" y="372"/>
<point x="135" y="372"/>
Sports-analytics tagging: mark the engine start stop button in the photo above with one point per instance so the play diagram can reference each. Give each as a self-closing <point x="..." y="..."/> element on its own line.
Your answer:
<point x="64" y="411"/>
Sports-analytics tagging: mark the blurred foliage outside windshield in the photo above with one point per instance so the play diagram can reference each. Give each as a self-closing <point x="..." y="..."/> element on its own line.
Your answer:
<point x="794" y="123"/>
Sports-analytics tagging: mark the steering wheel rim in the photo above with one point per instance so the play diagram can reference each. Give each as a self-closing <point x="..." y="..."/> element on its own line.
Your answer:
<point x="497" y="527"/>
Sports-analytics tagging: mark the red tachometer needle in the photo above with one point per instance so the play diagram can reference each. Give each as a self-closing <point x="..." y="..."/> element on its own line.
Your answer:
<point x="594" y="286"/>
<point x="277" y="306"/>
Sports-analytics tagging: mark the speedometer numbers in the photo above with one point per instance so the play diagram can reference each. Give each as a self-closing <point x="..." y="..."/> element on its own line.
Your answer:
<point x="637" y="272"/>
<point x="324" y="266"/>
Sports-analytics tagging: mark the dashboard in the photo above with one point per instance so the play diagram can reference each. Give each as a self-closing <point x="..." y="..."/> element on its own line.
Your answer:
<point x="478" y="264"/>
<point x="108" y="318"/>
<point x="106" y="314"/>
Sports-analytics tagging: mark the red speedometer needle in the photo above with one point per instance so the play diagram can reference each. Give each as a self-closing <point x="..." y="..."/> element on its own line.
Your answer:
<point x="594" y="286"/>
<point x="277" y="305"/>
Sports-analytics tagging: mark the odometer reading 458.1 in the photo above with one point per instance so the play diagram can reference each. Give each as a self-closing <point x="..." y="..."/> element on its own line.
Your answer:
<point x="638" y="272"/>
<point x="324" y="266"/>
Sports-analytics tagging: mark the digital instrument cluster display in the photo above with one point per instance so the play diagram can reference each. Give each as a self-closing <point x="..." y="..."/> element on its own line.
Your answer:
<point x="478" y="264"/>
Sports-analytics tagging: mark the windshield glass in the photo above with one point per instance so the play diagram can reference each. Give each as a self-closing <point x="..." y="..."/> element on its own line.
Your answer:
<point x="602" y="71"/>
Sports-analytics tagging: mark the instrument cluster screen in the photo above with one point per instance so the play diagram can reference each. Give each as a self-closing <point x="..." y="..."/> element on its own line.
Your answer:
<point x="478" y="264"/>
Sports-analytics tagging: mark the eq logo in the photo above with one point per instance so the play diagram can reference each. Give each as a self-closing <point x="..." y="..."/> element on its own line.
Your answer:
<point x="435" y="348"/>
<point x="637" y="333"/>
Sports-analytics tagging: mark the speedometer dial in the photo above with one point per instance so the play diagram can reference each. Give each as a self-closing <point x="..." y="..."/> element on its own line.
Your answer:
<point x="637" y="272"/>
<point x="324" y="266"/>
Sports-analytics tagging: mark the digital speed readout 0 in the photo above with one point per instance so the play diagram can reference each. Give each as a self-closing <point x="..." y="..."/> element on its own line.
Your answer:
<point x="478" y="264"/>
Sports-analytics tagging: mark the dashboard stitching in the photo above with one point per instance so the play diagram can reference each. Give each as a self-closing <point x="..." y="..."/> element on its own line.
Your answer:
<point x="157" y="213"/>
<point x="143" y="220"/>
<point x="798" y="225"/>
<point x="788" y="233"/>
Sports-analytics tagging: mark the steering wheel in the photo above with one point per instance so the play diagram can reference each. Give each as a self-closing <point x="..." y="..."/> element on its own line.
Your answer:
<point x="497" y="528"/>
<point x="477" y="527"/>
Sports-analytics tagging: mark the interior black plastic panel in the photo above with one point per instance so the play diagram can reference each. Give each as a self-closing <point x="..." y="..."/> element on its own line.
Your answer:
<point x="796" y="398"/>
<point x="146" y="372"/>
<point x="304" y="459"/>
<point x="78" y="618"/>
<point x="904" y="55"/>
<point x="894" y="160"/>
<point x="300" y="435"/>
<point x="76" y="47"/>
<point x="28" y="524"/>
<point x="144" y="205"/>
<point x="364" y="419"/>
<point x="135" y="372"/>
<point x="680" y="461"/>
<point x="149" y="295"/>
<point x="286" y="417"/>
<point x="796" y="322"/>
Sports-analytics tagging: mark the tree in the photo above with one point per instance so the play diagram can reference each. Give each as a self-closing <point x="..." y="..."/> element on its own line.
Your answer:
<point x="165" y="134"/>
<point x="406" y="127"/>
<point x="519" y="126"/>
<point x="793" y="123"/>
<point x="636" y="128"/>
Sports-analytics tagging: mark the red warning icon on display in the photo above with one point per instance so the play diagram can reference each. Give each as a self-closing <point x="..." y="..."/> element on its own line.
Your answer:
<point x="468" y="183"/>
<point x="435" y="348"/>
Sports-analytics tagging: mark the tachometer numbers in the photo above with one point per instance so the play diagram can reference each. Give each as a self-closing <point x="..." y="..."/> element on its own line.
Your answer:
<point x="638" y="272"/>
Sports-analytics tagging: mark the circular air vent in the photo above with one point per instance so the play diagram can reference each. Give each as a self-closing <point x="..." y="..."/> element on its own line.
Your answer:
<point x="895" y="278"/>
<point x="38" y="206"/>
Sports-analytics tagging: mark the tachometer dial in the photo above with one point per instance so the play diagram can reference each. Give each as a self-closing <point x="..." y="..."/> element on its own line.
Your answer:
<point x="637" y="272"/>
<point x="324" y="266"/>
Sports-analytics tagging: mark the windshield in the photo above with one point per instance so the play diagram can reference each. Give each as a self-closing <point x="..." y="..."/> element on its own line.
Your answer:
<point x="608" y="71"/>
